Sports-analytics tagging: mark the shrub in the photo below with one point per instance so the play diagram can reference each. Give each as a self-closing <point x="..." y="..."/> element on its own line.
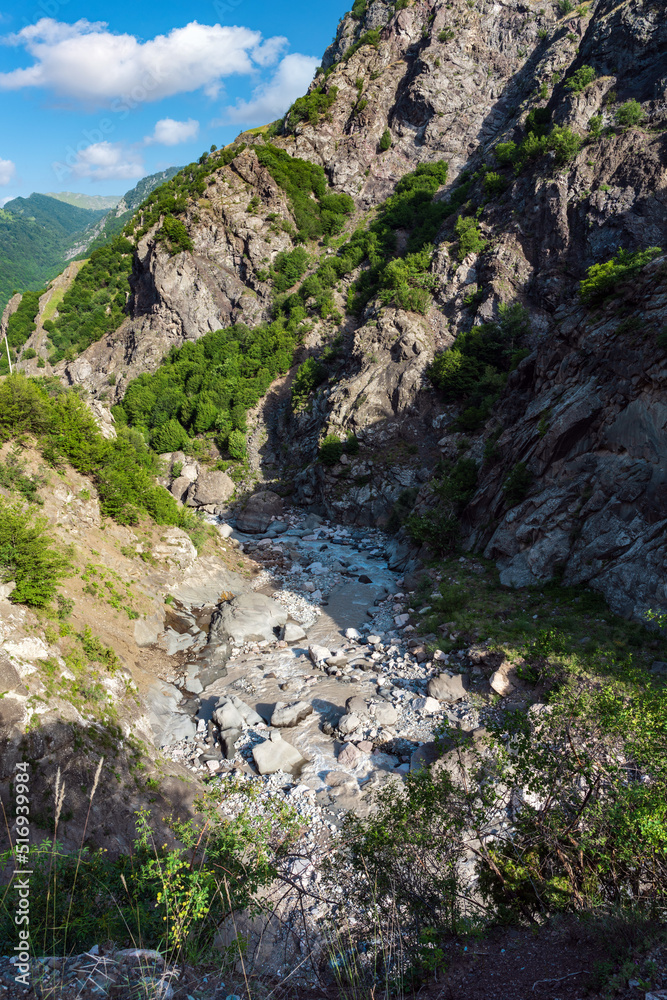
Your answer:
<point x="565" y="7"/>
<point x="439" y="527"/>
<point x="601" y="279"/>
<point x="288" y="267"/>
<point x="352" y="444"/>
<point x="28" y="556"/>
<point x="469" y="236"/>
<point x="494" y="184"/>
<point x="359" y="8"/>
<point x="517" y="483"/>
<point x="29" y="353"/>
<point x="580" y="79"/>
<point x="123" y="469"/>
<point x="309" y="375"/>
<point x="446" y="35"/>
<point x="538" y="121"/>
<point x="595" y="126"/>
<point x="175" y="236"/>
<point x="170" y="436"/>
<point x="325" y="213"/>
<point x="310" y="108"/>
<point x="630" y="114"/>
<point x="236" y="445"/>
<point x="385" y="141"/>
<point x="331" y="450"/>
<point x="565" y="143"/>
<point x="506" y="152"/>
<point x="369" y="38"/>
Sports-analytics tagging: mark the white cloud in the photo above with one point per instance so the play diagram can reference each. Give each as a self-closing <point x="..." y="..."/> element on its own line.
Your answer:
<point x="87" y="62"/>
<point x="7" y="171"/>
<point x="107" y="161"/>
<point x="4" y="200"/>
<point x="168" y="132"/>
<point x="271" y="100"/>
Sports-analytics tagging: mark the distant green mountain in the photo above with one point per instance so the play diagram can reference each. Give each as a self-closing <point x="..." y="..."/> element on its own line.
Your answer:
<point x="39" y="235"/>
<point x="36" y="234"/>
<point x="94" y="201"/>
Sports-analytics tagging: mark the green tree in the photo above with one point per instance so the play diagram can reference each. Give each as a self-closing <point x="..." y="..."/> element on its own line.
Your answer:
<point x="630" y="114"/>
<point x="28" y="556"/>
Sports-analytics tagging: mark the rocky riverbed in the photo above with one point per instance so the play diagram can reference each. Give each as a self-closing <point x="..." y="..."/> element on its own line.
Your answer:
<point x="318" y="681"/>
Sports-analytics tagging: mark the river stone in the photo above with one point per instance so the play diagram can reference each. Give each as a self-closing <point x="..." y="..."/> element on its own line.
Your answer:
<point x="249" y="618"/>
<point x="225" y="530"/>
<point x="339" y="660"/>
<point x="348" y="723"/>
<point x="275" y="754"/>
<point x="319" y="654"/>
<point x="352" y="633"/>
<point x="285" y="715"/>
<point x="293" y="632"/>
<point x="428" y="706"/>
<point x="356" y="705"/>
<point x="386" y="715"/>
<point x="261" y="507"/>
<point x="446" y="688"/>
<point x="336" y="779"/>
<point x="401" y="620"/>
<point x="228" y="716"/>
<point x="350" y="755"/>
<point x="248" y="714"/>
<point x="501" y="684"/>
<point x="228" y="738"/>
<point x="211" y="487"/>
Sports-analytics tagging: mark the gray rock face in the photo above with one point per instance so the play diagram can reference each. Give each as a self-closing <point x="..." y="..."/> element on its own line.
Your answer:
<point x="385" y="715"/>
<point x="256" y="516"/>
<point x="180" y="487"/>
<point x="249" y="618"/>
<point x="211" y="487"/>
<point x="446" y="688"/>
<point x="275" y="754"/>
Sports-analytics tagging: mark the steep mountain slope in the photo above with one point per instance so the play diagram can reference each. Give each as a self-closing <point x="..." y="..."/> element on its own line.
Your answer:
<point x="551" y="122"/>
<point x="97" y="201"/>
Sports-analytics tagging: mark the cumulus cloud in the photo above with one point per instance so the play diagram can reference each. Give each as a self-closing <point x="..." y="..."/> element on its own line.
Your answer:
<point x="272" y="99"/>
<point x="169" y="132"/>
<point x="107" y="161"/>
<point x="89" y="63"/>
<point x="7" y="171"/>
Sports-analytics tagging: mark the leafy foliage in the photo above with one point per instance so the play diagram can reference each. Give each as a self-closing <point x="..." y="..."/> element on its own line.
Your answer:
<point x="308" y="377"/>
<point x="207" y="386"/>
<point x="20" y="325"/>
<point x="28" y="556"/>
<point x="174" y="235"/>
<point x="580" y="79"/>
<point x="517" y="484"/>
<point x="331" y="449"/>
<point x="439" y="527"/>
<point x="475" y="368"/>
<point x="385" y="141"/>
<point x="310" y="108"/>
<point x="95" y="303"/>
<point x="323" y="214"/>
<point x="601" y="279"/>
<point x="469" y="236"/>
<point x="629" y="114"/>
<point x="288" y="268"/>
<point x="123" y="469"/>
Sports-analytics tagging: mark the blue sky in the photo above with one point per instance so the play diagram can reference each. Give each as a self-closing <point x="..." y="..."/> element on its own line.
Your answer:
<point x="94" y="96"/>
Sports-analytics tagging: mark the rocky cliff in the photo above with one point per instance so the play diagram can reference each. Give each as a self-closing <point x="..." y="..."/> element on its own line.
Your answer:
<point x="584" y="410"/>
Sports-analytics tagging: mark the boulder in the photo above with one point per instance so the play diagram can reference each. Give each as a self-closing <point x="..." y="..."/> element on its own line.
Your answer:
<point x="428" y="706"/>
<point x="286" y="716"/>
<point x="350" y="756"/>
<point x="386" y="715"/>
<point x="228" y="716"/>
<point x="293" y="632"/>
<point x="248" y="714"/>
<point x="351" y="633"/>
<point x="169" y="725"/>
<point x="228" y="738"/>
<point x="501" y="684"/>
<point x="446" y="688"/>
<point x="275" y="754"/>
<point x="319" y="654"/>
<point x="180" y="487"/>
<point x="211" y="487"/>
<point x="225" y="530"/>
<point x="348" y="723"/>
<point x="356" y="705"/>
<point x="261" y="507"/>
<point x="249" y="618"/>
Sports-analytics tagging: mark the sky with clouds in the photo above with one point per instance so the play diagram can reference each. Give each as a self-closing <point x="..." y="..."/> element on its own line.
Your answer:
<point x="93" y="97"/>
